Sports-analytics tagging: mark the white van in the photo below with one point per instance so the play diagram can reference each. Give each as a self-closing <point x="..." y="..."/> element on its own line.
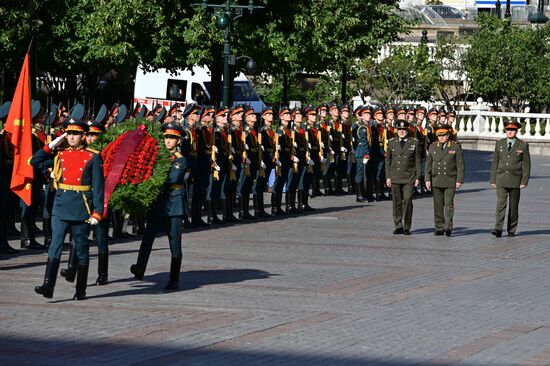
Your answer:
<point x="164" y="88"/>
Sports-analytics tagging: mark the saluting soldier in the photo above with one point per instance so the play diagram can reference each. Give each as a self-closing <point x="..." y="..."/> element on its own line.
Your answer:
<point x="510" y="173"/>
<point x="403" y="171"/>
<point x="283" y="161"/>
<point x="169" y="210"/>
<point x="267" y="145"/>
<point x="78" y="178"/>
<point x="444" y="175"/>
<point x="250" y="161"/>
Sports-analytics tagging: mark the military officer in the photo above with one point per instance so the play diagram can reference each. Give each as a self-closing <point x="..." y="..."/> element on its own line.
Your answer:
<point x="250" y="161"/>
<point x="220" y="166"/>
<point x="313" y="136"/>
<point x="362" y="153"/>
<point x="169" y="210"/>
<point x="380" y="146"/>
<point x="298" y="157"/>
<point x="338" y="154"/>
<point x="236" y="149"/>
<point x="403" y="171"/>
<point x="444" y="175"/>
<point x="510" y="173"/>
<point x="78" y="177"/>
<point x="283" y="161"/>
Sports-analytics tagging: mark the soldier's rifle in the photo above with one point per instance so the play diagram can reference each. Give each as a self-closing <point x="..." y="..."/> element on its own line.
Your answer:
<point x="260" y="154"/>
<point x="293" y="150"/>
<point x="246" y="168"/>
<point x="232" y="175"/>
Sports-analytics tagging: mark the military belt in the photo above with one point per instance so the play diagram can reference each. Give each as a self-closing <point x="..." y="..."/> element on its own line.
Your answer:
<point x="269" y="150"/>
<point x="71" y="187"/>
<point x="176" y="186"/>
<point x="254" y="150"/>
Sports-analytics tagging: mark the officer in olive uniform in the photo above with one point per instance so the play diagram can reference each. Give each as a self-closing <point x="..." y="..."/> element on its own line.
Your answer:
<point x="78" y="178"/>
<point x="509" y="174"/>
<point x="444" y="175"/>
<point x="169" y="209"/>
<point x="403" y="171"/>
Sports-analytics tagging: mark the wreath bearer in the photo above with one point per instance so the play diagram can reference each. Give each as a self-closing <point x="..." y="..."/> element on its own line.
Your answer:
<point x="169" y="209"/>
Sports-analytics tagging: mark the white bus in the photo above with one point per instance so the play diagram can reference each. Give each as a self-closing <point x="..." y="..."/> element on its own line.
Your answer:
<point x="164" y="88"/>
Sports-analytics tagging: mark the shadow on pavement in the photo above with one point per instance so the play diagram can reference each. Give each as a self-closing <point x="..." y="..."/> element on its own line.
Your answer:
<point x="16" y="350"/>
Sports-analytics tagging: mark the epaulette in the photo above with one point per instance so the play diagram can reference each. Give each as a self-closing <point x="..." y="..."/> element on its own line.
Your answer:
<point x="414" y="139"/>
<point x="178" y="155"/>
<point x="92" y="150"/>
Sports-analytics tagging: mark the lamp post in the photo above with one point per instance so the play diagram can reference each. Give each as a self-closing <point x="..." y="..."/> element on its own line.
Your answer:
<point x="538" y="18"/>
<point x="226" y="14"/>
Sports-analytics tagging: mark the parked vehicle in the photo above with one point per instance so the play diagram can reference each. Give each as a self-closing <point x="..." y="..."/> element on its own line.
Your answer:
<point x="448" y="12"/>
<point x="191" y="86"/>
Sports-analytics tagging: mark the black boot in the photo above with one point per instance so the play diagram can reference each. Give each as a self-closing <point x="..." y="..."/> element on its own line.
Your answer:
<point x="278" y="204"/>
<point x="328" y="187"/>
<point x="228" y="211"/>
<point x="118" y="223"/>
<point x="50" y="276"/>
<point x="351" y="185"/>
<point x="138" y="269"/>
<point x="174" y="281"/>
<point x="305" y="204"/>
<point x="261" y="206"/>
<point x="339" y="191"/>
<point x="70" y="272"/>
<point x="245" y="208"/>
<point x="81" y="281"/>
<point x="212" y="214"/>
<point x="27" y="234"/>
<point x="102" y="269"/>
<point x="5" y="247"/>
<point x="196" y="215"/>
<point x="359" y="190"/>
<point x="47" y="224"/>
<point x="315" y="191"/>
<point x="370" y="190"/>
<point x="273" y="203"/>
<point x="300" y="202"/>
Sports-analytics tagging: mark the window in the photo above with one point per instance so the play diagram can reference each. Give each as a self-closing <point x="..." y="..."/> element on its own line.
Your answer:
<point x="176" y="90"/>
<point x="198" y="94"/>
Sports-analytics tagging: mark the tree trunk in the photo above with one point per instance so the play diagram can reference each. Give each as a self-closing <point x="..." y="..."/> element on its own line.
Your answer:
<point x="285" y="88"/>
<point x="344" y="84"/>
<point x="216" y="71"/>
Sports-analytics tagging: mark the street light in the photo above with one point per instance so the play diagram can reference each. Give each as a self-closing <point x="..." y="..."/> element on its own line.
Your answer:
<point x="226" y="14"/>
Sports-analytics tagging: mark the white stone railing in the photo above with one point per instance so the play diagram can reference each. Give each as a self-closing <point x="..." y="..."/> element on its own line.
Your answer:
<point x="486" y="124"/>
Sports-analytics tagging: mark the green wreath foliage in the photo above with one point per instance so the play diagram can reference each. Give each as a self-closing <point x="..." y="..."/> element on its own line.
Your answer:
<point x="139" y="197"/>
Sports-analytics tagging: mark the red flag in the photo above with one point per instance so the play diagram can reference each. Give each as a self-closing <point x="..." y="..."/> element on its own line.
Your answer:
<point x="19" y="125"/>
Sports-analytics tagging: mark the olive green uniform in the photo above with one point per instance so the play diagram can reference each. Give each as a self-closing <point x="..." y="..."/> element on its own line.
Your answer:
<point x="511" y="168"/>
<point x="403" y="167"/>
<point x="444" y="168"/>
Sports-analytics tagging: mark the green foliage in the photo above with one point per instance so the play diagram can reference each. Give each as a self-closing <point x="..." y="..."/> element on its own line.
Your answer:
<point x="140" y="197"/>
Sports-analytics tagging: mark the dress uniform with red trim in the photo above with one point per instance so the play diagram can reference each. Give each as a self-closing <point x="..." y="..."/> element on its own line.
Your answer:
<point x="78" y="177"/>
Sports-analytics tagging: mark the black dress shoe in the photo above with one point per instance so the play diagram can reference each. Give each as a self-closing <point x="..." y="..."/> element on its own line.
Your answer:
<point x="406" y="232"/>
<point x="398" y="231"/>
<point x="497" y="233"/>
<point x="438" y="232"/>
<point x="448" y="232"/>
<point x="511" y="235"/>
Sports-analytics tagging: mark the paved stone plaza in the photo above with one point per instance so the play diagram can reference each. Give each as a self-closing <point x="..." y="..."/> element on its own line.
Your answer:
<point x="331" y="288"/>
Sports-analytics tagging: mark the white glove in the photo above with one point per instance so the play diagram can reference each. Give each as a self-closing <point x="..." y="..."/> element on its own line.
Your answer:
<point x="365" y="160"/>
<point x="217" y="168"/>
<point x="262" y="165"/>
<point x="295" y="159"/>
<point x="58" y="141"/>
<point x="247" y="161"/>
<point x="343" y="149"/>
<point x="330" y="137"/>
<point x="331" y="152"/>
<point x="311" y="162"/>
<point x="278" y="162"/>
<point x="233" y="167"/>
<point x="263" y="148"/>
<point x="295" y="144"/>
<point x="353" y="139"/>
<point x="215" y="149"/>
<point x="322" y="145"/>
<point x="232" y="150"/>
<point x="186" y="176"/>
<point x="324" y="161"/>
<point x="278" y="147"/>
<point x="93" y="221"/>
<point x="309" y="145"/>
<point x="246" y="146"/>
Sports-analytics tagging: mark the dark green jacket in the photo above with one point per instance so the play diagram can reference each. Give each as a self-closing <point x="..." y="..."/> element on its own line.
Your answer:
<point x="445" y="166"/>
<point x="403" y="165"/>
<point x="510" y="170"/>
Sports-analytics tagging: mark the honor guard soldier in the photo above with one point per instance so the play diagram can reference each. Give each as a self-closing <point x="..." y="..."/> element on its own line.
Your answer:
<point x="328" y="153"/>
<point x="382" y="137"/>
<point x="429" y="131"/>
<point x="410" y="114"/>
<point x="168" y="210"/>
<point x="389" y="114"/>
<point x="220" y="166"/>
<point x="444" y="175"/>
<point x="331" y="171"/>
<point x="189" y="149"/>
<point x="419" y="115"/>
<point x="442" y="116"/>
<point x="78" y="178"/>
<point x="451" y="121"/>
<point x="345" y="151"/>
<point x="7" y="197"/>
<point x="352" y="161"/>
<point x="403" y="171"/>
<point x="283" y="161"/>
<point x="362" y="153"/>
<point x="266" y="142"/>
<point x="298" y="158"/>
<point x="510" y="173"/>
<point x="236" y="149"/>
<point x="400" y="113"/>
<point x="314" y="150"/>
<point x="250" y="163"/>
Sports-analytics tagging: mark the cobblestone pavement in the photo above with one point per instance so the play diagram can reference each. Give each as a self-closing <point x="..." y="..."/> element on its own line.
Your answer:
<point x="331" y="288"/>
